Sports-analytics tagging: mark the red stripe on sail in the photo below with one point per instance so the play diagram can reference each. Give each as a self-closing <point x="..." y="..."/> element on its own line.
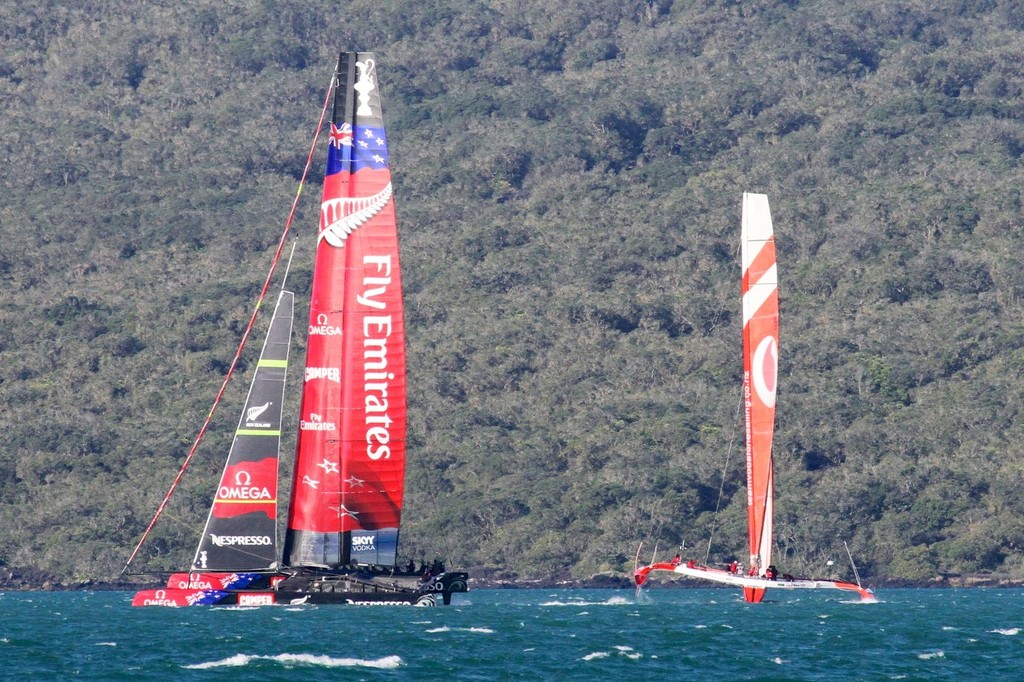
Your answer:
<point x="760" y="374"/>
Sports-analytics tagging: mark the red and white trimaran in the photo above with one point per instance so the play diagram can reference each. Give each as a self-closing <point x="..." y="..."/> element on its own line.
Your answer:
<point x="760" y="372"/>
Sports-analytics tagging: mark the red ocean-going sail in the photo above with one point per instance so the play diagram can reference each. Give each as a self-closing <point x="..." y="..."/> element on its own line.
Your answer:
<point x="341" y="543"/>
<point x="348" y="481"/>
<point x="760" y="289"/>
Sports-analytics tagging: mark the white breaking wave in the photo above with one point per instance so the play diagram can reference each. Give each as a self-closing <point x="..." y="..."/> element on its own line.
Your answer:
<point x="1006" y="631"/>
<point x="620" y="650"/>
<point x="596" y="654"/>
<point x="934" y="654"/>
<point x="240" y="660"/>
<point x="445" y="628"/>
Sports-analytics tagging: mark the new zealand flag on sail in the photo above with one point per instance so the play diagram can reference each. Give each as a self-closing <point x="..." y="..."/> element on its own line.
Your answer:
<point x="366" y="148"/>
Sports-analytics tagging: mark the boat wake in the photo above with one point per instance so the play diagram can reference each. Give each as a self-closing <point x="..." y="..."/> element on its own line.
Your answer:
<point x="932" y="654"/>
<point x="293" y="660"/>
<point x="623" y="651"/>
<point x="611" y="601"/>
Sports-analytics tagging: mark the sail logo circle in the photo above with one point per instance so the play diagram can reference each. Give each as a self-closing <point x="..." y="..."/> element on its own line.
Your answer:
<point x="765" y="370"/>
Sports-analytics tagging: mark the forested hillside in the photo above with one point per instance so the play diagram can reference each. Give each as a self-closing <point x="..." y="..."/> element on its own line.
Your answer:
<point x="568" y="181"/>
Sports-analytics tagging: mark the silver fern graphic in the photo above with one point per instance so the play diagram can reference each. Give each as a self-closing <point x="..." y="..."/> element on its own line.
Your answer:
<point x="253" y="412"/>
<point x="340" y="217"/>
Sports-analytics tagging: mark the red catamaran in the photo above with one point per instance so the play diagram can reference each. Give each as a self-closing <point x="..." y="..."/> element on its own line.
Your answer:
<point x="341" y="541"/>
<point x="760" y="291"/>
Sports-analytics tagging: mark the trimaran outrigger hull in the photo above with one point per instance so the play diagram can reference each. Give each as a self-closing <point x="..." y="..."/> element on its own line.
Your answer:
<point x="724" y="577"/>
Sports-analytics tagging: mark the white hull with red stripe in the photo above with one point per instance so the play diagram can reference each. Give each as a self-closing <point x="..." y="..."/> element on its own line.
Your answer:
<point x="749" y="581"/>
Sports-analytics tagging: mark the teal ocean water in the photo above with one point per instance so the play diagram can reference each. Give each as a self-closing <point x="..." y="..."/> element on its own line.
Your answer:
<point x="665" y="634"/>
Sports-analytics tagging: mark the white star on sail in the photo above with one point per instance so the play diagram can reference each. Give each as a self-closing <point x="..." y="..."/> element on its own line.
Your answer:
<point x="353" y="482"/>
<point x="342" y="511"/>
<point x="311" y="482"/>
<point x="328" y="467"/>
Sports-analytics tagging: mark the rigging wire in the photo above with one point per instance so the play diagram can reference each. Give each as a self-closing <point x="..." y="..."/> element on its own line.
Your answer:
<point x="850" y="554"/>
<point x="653" y="534"/>
<point x="248" y="329"/>
<point x="721" y="487"/>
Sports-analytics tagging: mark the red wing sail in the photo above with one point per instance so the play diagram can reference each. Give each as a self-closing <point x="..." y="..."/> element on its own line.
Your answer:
<point x="350" y="463"/>
<point x="241" y="530"/>
<point x="760" y="373"/>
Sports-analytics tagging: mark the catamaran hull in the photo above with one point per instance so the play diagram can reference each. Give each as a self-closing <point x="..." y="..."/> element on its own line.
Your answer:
<point x="270" y="590"/>
<point x="175" y="597"/>
<point x="749" y="582"/>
